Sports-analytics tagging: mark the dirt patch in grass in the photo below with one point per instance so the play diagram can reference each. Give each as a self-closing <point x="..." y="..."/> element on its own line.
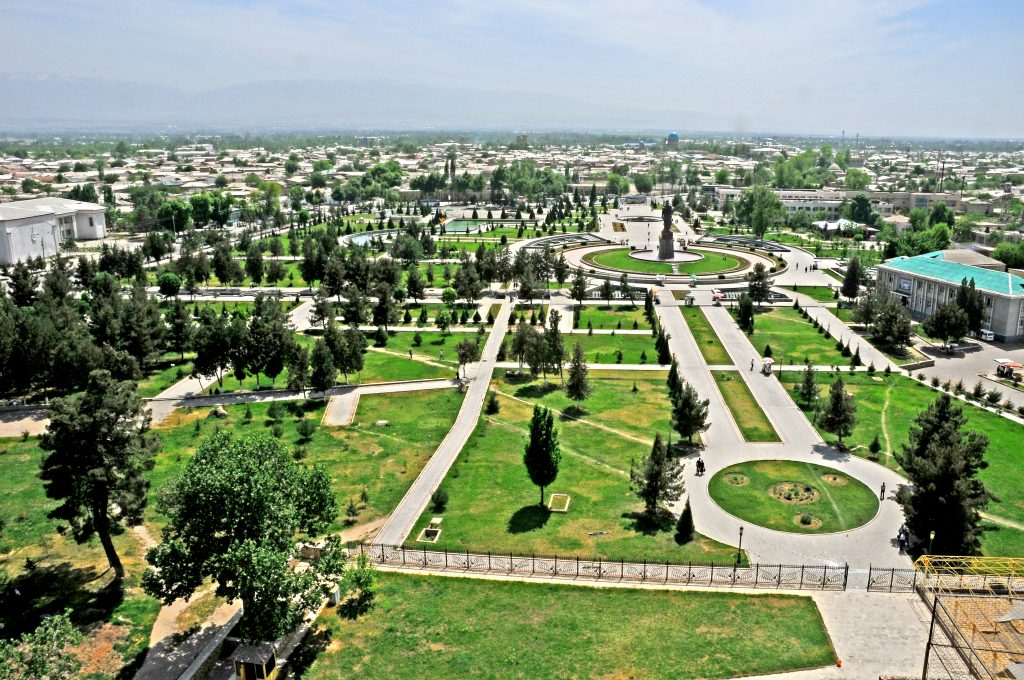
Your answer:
<point x="98" y="652"/>
<point x="736" y="479"/>
<point x="835" y="480"/>
<point x="794" y="492"/>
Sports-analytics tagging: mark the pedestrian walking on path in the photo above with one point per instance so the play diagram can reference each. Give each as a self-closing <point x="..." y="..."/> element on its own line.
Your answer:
<point x="881" y="494"/>
<point x="751" y="364"/>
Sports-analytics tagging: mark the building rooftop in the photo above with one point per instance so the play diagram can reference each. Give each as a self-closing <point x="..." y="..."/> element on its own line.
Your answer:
<point x="34" y="207"/>
<point x="936" y="266"/>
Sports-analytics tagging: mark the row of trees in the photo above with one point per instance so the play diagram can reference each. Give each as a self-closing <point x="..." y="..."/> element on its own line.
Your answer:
<point x="51" y="340"/>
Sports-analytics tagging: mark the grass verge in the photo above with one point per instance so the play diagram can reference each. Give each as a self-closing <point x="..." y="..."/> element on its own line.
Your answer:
<point x="535" y="630"/>
<point x="746" y="412"/>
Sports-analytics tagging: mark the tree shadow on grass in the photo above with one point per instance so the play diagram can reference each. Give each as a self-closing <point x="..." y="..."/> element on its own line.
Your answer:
<point x="642" y="523"/>
<point x="831" y="452"/>
<point x="528" y="518"/>
<point x="45" y="590"/>
<point x="316" y="643"/>
<point x="573" y="412"/>
<point x="536" y="391"/>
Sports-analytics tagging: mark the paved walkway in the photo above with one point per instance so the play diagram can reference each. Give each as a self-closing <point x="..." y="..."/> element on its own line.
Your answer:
<point x="415" y="500"/>
<point x="873" y="543"/>
<point x="341" y="408"/>
<point x="840" y="331"/>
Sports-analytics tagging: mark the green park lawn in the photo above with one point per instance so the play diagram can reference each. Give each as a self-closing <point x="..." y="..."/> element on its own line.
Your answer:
<point x="888" y="406"/>
<point x="432" y="344"/>
<point x="819" y="293"/>
<point x="835" y="502"/>
<point x="494" y="506"/>
<point x="746" y="412"/>
<point x="793" y="339"/>
<point x="392" y="362"/>
<point x="602" y="348"/>
<point x="619" y="316"/>
<point x="438" y="269"/>
<point x="52" y="572"/>
<point x="710" y="346"/>
<point x="382" y="459"/>
<point x="619" y="259"/>
<point x="456" y="627"/>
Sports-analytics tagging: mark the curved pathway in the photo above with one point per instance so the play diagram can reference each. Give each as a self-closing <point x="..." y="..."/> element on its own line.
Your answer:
<point x="874" y="543"/>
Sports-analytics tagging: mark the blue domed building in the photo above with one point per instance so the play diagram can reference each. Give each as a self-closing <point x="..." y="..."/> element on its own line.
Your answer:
<point x="672" y="139"/>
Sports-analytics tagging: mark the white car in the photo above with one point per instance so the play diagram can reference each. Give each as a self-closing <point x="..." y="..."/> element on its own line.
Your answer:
<point x="987" y="335"/>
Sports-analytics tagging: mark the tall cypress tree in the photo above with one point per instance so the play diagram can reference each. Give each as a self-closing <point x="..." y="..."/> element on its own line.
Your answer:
<point x="839" y="414"/>
<point x="578" y="386"/>
<point x="689" y="412"/>
<point x="542" y="455"/>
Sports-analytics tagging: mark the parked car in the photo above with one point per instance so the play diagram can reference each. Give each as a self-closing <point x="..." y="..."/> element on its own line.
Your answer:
<point x="987" y="335"/>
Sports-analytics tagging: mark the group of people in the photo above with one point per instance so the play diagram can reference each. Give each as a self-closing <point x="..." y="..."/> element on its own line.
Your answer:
<point x="700" y="467"/>
<point x="903" y="539"/>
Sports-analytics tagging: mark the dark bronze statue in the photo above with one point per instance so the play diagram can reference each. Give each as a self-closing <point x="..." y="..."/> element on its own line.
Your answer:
<point x="666" y="245"/>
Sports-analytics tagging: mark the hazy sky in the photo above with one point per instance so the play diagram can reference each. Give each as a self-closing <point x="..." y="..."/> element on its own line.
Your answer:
<point x="875" y="67"/>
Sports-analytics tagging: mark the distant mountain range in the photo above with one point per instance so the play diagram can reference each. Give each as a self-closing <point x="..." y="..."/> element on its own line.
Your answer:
<point x="34" y="102"/>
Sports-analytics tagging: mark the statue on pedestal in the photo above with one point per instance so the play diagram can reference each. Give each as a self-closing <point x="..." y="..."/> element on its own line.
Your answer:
<point x="666" y="245"/>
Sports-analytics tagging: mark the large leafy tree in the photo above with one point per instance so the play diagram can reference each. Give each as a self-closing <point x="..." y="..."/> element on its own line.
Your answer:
<point x="949" y="322"/>
<point x="942" y="462"/>
<point x="98" y="448"/>
<point x="657" y="479"/>
<point x="45" y="653"/>
<point x="234" y="514"/>
<point x="759" y="207"/>
<point x="543" y="454"/>
<point x="212" y="345"/>
<point x="891" y="324"/>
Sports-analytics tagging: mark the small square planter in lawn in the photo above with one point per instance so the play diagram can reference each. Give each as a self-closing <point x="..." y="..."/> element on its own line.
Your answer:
<point x="559" y="502"/>
<point x="431" y="532"/>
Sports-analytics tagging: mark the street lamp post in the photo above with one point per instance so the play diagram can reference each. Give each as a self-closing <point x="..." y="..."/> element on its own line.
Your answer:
<point x="931" y="537"/>
<point x="739" y="548"/>
<point x="597" y="540"/>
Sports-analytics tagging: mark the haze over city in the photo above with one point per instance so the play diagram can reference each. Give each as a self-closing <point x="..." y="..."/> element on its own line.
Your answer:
<point x="910" y="67"/>
<point x="541" y="339"/>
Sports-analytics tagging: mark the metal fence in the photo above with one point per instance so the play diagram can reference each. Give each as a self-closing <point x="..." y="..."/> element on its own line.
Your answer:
<point x="779" y="576"/>
<point x="892" y="580"/>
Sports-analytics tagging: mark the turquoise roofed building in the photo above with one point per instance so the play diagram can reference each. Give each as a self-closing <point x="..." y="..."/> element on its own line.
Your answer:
<point x="924" y="283"/>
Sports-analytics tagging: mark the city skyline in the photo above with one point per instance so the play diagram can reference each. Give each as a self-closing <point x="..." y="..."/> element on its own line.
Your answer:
<point x="923" y="69"/>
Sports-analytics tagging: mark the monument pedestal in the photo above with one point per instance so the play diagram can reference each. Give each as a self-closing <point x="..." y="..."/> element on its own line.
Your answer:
<point x="666" y="247"/>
